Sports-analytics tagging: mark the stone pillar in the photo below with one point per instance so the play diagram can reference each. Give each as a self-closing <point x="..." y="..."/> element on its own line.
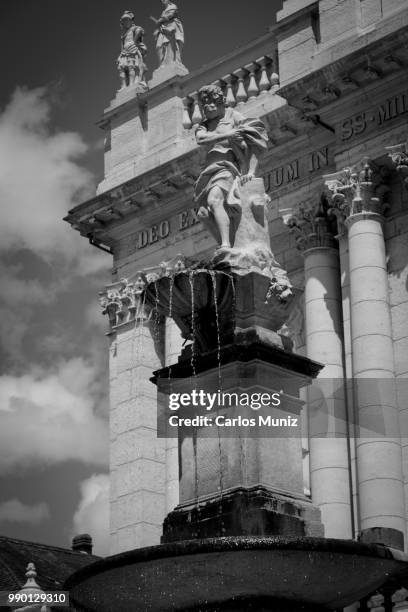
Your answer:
<point x="360" y="196"/>
<point x="329" y="455"/>
<point x="137" y="456"/>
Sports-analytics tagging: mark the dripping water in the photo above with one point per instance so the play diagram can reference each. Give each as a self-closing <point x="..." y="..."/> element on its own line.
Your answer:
<point x="156" y="323"/>
<point x="193" y="375"/>
<point x="170" y="314"/>
<point x="242" y="445"/>
<point x="137" y="335"/>
<point x="217" y="323"/>
<point x="193" y="344"/>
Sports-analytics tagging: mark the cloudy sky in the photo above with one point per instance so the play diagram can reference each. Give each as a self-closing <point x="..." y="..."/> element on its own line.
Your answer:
<point x="57" y="66"/>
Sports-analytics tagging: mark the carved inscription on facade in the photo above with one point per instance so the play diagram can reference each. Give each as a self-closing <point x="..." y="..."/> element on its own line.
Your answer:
<point x="374" y="117"/>
<point x="296" y="169"/>
<point x="161" y="230"/>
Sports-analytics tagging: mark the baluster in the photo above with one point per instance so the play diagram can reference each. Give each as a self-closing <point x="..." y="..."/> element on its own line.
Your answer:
<point x="230" y="98"/>
<point x="264" y="82"/>
<point x="241" y="93"/>
<point x="186" y="114"/>
<point x="196" y="117"/>
<point x="274" y="82"/>
<point x="253" y="90"/>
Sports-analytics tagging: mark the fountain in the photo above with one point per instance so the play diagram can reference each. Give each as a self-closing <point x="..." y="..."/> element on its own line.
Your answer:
<point x="244" y="536"/>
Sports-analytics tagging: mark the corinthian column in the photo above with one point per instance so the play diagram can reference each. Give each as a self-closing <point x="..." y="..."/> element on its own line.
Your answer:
<point x="329" y="455"/>
<point x="359" y="197"/>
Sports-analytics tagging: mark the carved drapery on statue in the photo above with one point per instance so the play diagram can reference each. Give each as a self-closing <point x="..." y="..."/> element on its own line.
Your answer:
<point x="233" y="203"/>
<point x="131" y="64"/>
<point x="169" y="34"/>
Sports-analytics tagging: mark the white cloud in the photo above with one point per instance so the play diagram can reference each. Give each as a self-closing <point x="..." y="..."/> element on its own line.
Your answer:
<point x="40" y="180"/>
<point x="15" y="511"/>
<point x="92" y="514"/>
<point x="51" y="417"/>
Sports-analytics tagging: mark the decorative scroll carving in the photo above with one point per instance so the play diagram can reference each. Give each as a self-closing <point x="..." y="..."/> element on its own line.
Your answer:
<point x="123" y="301"/>
<point x="313" y="226"/>
<point x="358" y="189"/>
<point x="399" y="157"/>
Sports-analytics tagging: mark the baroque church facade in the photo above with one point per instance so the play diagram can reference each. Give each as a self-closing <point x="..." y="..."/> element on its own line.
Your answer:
<point x="329" y="82"/>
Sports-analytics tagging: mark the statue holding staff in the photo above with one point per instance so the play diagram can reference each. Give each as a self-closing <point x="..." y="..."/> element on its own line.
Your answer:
<point x="131" y="64"/>
<point x="169" y="34"/>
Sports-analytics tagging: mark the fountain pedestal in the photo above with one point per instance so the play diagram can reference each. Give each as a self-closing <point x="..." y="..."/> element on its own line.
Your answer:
<point x="243" y="477"/>
<point x="241" y="468"/>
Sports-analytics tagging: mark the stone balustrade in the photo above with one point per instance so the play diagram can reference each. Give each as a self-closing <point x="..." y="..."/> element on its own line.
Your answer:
<point x="240" y="86"/>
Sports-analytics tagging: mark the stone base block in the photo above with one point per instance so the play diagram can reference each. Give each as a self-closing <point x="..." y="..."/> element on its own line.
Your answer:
<point x="383" y="535"/>
<point x="166" y="72"/>
<point x="254" y="511"/>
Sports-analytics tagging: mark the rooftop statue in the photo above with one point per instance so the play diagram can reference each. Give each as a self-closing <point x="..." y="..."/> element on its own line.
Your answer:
<point x="131" y="64"/>
<point x="232" y="201"/>
<point x="169" y="34"/>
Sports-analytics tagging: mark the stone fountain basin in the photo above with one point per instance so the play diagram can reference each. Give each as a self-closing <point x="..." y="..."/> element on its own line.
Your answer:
<point x="185" y="291"/>
<point x="214" y="573"/>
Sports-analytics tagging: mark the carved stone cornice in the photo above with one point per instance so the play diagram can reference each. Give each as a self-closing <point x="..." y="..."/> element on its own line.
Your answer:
<point x="399" y="157"/>
<point x="358" y="189"/>
<point x="341" y="77"/>
<point x="98" y="216"/>
<point x="124" y="301"/>
<point x="312" y="226"/>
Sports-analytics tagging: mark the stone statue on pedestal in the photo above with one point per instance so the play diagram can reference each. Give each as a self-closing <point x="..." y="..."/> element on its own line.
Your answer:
<point x="169" y="34"/>
<point x="232" y="201"/>
<point x="131" y="64"/>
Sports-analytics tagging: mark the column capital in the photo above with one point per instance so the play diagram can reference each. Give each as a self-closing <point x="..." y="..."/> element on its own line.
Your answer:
<point x="399" y="157"/>
<point x="123" y="302"/>
<point x="359" y="189"/>
<point x="312" y="225"/>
